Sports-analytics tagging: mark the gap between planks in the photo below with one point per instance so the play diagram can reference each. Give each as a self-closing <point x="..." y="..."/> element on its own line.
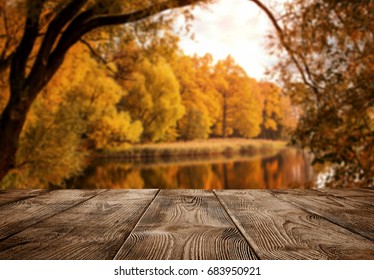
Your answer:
<point x="234" y="219"/>
<point x="364" y="196"/>
<point x="42" y="219"/>
<point x="240" y="229"/>
<point x="333" y="208"/>
<point x="278" y="230"/>
<point x="14" y="196"/>
<point x="137" y="223"/>
<point x="185" y="224"/>
<point x="92" y="230"/>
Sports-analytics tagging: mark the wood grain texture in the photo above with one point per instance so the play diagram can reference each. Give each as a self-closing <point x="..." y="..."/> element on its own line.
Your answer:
<point x="277" y="230"/>
<point x="185" y="224"/>
<point x="20" y="215"/>
<point x="9" y="196"/>
<point x="360" y="195"/>
<point x="353" y="215"/>
<point x="95" y="229"/>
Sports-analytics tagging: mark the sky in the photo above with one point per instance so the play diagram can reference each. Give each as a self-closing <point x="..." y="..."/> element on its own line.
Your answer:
<point x="236" y="27"/>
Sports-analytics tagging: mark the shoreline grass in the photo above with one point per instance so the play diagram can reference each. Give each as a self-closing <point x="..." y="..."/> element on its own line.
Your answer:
<point x="192" y="149"/>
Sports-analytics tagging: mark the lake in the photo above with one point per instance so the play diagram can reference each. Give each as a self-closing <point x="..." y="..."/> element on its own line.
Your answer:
<point x="289" y="168"/>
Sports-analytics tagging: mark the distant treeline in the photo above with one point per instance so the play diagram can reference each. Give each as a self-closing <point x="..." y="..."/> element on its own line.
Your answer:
<point x="141" y="94"/>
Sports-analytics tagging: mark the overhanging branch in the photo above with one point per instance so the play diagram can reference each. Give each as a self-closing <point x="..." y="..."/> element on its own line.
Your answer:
<point x="289" y="50"/>
<point x="89" y="20"/>
<point x="18" y="64"/>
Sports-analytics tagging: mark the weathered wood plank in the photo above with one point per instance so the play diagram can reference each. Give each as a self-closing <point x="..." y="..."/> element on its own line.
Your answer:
<point x="359" y="195"/>
<point x="95" y="229"/>
<point x="185" y="224"/>
<point x="9" y="196"/>
<point x="277" y="230"/>
<point x="355" y="216"/>
<point x="22" y="214"/>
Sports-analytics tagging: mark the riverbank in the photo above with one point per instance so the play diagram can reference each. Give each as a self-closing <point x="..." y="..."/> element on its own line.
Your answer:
<point x="197" y="148"/>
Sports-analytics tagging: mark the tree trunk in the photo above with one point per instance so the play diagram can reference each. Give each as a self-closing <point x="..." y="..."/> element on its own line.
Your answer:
<point x="224" y="116"/>
<point x="225" y="180"/>
<point x="11" y="123"/>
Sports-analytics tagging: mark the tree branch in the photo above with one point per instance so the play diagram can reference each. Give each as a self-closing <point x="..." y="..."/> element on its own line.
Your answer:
<point x="289" y="50"/>
<point x="56" y="26"/>
<point x="98" y="56"/>
<point x="92" y="50"/>
<point x="34" y="9"/>
<point x="89" y="20"/>
<point x="54" y="30"/>
<point x="5" y="62"/>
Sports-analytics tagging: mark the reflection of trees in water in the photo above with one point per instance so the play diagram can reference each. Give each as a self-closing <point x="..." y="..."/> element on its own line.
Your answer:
<point x="113" y="176"/>
<point x="246" y="175"/>
<point x="273" y="168"/>
<point x="282" y="170"/>
<point x="286" y="169"/>
<point x="196" y="176"/>
<point x="163" y="177"/>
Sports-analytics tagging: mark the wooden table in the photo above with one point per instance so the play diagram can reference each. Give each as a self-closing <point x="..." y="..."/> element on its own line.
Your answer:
<point x="187" y="224"/>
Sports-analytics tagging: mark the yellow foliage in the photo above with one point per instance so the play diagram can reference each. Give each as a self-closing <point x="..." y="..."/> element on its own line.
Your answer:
<point x="199" y="96"/>
<point x="115" y="130"/>
<point x="241" y="103"/>
<point x="154" y="99"/>
<point x="74" y="113"/>
<point x="272" y="105"/>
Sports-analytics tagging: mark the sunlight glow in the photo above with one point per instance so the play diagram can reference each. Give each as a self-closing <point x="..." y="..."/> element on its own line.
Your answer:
<point x="236" y="27"/>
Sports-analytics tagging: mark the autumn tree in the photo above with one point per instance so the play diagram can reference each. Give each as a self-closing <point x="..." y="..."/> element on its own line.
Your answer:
<point x="271" y="94"/>
<point x="241" y="104"/>
<point x="83" y="81"/>
<point x="327" y="65"/>
<point x="75" y="114"/>
<point x="50" y="29"/>
<point x="194" y="124"/>
<point x="199" y="95"/>
<point x="153" y="98"/>
<point x="280" y="115"/>
<point x="289" y="117"/>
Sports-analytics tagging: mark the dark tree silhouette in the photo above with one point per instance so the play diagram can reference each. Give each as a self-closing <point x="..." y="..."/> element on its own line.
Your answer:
<point x="72" y="21"/>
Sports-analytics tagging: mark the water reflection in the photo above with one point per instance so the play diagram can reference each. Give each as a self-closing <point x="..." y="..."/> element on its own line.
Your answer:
<point x="287" y="169"/>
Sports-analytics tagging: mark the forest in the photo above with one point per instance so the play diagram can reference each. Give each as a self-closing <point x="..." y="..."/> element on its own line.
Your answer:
<point x="79" y="77"/>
